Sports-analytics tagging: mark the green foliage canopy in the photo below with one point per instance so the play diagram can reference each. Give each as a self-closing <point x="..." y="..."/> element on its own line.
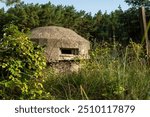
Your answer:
<point x="119" y="25"/>
<point x="9" y="2"/>
<point x="138" y="3"/>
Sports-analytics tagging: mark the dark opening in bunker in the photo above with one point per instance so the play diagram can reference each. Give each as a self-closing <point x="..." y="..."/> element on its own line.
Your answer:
<point x="73" y="51"/>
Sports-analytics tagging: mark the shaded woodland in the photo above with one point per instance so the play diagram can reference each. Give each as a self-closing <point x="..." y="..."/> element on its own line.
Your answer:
<point x="119" y="25"/>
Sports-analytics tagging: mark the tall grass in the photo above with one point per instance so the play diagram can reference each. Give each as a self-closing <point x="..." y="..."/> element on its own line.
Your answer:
<point x="111" y="73"/>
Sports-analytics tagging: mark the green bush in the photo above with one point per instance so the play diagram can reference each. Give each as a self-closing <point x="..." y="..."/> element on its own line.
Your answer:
<point x="21" y="65"/>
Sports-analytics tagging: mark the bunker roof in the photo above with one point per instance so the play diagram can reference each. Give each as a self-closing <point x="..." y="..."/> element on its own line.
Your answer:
<point x="57" y="33"/>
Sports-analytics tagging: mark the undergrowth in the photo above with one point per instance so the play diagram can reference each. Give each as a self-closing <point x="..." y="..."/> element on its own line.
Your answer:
<point x="111" y="73"/>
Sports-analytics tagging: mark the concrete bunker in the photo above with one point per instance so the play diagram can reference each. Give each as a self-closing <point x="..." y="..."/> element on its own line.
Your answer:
<point x="64" y="47"/>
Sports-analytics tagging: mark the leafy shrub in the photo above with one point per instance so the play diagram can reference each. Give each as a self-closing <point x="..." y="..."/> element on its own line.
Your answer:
<point x="21" y="65"/>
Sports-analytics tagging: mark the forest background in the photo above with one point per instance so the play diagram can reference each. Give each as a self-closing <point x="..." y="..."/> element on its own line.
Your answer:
<point x="119" y="24"/>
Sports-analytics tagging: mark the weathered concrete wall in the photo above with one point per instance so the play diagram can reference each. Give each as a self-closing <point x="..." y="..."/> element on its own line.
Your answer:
<point x="65" y="66"/>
